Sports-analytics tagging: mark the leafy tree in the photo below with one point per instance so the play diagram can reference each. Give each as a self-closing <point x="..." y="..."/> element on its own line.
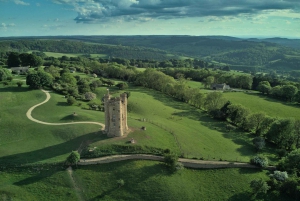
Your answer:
<point x="13" y="59"/>
<point x="282" y="133"/>
<point x="254" y="122"/>
<point x="89" y="96"/>
<point x="71" y="100"/>
<point x="208" y="81"/>
<point x="68" y="78"/>
<point x="289" y="92"/>
<point x="52" y="70"/>
<point x="4" y="74"/>
<point x="264" y="87"/>
<point x="238" y="114"/>
<point x="260" y="160"/>
<point x="291" y="163"/>
<point x="259" y="143"/>
<point x="214" y="100"/>
<point x="73" y="158"/>
<point x="122" y="85"/>
<point x="276" y="91"/>
<point x="259" y="186"/>
<point x="38" y="79"/>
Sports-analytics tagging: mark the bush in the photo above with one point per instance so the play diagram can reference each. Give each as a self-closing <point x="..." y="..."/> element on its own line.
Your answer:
<point x="89" y="96"/>
<point x="179" y="166"/>
<point x="19" y="83"/>
<point x="259" y="160"/>
<point x="120" y="182"/>
<point x="170" y="160"/>
<point x="279" y="176"/>
<point x="259" y="143"/>
<point x="71" y="100"/>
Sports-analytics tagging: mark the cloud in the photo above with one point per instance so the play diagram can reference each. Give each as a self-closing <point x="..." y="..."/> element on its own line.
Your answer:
<point x="19" y="2"/>
<point x="4" y="25"/>
<point x="91" y="11"/>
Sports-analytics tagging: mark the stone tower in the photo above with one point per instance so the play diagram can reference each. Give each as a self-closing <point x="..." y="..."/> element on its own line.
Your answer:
<point x="115" y="115"/>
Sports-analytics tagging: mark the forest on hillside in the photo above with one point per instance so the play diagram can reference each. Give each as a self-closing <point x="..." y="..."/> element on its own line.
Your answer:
<point x="240" y="54"/>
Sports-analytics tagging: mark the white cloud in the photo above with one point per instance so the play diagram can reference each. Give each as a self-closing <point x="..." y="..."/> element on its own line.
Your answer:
<point x="19" y="2"/>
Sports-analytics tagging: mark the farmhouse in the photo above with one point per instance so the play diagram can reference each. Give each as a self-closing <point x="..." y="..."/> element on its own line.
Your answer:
<point x="220" y="87"/>
<point x="20" y="70"/>
<point x="115" y="115"/>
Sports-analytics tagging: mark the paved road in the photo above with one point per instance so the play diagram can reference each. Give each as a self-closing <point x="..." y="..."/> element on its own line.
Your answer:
<point x="28" y="114"/>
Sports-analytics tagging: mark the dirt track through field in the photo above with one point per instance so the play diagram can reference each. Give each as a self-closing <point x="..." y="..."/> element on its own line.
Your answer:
<point x="29" y="116"/>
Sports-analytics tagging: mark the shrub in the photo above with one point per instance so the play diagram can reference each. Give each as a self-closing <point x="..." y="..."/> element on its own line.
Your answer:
<point x="19" y="83"/>
<point x="179" y="166"/>
<point x="259" y="160"/>
<point x="120" y="182"/>
<point x="170" y="160"/>
<point x="89" y="96"/>
<point x="259" y="143"/>
<point x="71" y="100"/>
<point x="279" y="176"/>
<point x="73" y="158"/>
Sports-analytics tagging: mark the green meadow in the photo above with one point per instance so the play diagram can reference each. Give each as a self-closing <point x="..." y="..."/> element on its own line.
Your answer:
<point x="257" y="102"/>
<point x="32" y="152"/>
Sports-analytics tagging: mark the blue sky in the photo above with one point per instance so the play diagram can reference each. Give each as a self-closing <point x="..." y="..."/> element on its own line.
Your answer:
<point x="259" y="18"/>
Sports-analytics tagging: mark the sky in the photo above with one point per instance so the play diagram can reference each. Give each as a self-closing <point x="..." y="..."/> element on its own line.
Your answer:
<point x="240" y="18"/>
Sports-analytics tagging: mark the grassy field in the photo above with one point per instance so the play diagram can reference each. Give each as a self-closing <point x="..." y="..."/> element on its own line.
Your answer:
<point x="146" y="180"/>
<point x="36" y="183"/>
<point x="170" y="124"/>
<point x="257" y="102"/>
<point x="23" y="141"/>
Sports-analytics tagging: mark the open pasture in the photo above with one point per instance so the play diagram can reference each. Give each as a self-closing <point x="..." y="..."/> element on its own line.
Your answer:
<point x="257" y="102"/>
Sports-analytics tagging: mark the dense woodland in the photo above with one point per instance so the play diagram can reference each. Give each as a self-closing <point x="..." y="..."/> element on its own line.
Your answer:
<point x="240" y="54"/>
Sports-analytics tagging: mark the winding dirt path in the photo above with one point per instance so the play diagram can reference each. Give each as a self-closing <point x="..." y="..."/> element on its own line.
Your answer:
<point x="29" y="116"/>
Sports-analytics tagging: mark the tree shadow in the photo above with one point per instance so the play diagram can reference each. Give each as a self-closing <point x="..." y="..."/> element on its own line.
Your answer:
<point x="240" y="196"/>
<point x="14" y="89"/>
<point x="62" y="104"/>
<point x="48" y="152"/>
<point x="132" y="176"/>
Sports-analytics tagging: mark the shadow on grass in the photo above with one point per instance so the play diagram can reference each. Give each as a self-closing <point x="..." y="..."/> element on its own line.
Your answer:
<point x="14" y="89"/>
<point x="76" y="117"/>
<point x="132" y="175"/>
<point x="240" y="196"/>
<point x="48" y="152"/>
<point x="62" y="104"/>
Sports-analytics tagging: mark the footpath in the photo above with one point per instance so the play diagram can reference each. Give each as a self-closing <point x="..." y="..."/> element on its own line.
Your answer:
<point x="189" y="163"/>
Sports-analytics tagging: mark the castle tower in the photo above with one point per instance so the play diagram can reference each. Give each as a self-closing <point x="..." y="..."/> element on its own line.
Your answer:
<point x="115" y="115"/>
